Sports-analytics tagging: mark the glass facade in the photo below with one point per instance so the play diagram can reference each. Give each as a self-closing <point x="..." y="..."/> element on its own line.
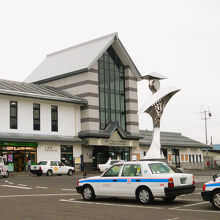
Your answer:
<point x="18" y="154"/>
<point x="101" y="154"/>
<point x="67" y="155"/>
<point x="111" y="90"/>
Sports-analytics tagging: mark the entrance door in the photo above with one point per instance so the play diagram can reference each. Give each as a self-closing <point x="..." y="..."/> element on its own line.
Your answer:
<point x="176" y="158"/>
<point x="19" y="161"/>
<point x="67" y="155"/>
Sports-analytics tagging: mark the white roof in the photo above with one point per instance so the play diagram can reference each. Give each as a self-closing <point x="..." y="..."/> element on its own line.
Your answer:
<point x="154" y="74"/>
<point x="79" y="58"/>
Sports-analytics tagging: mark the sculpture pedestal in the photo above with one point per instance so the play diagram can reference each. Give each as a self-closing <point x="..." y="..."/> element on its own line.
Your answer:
<point x="155" y="150"/>
<point x="161" y="160"/>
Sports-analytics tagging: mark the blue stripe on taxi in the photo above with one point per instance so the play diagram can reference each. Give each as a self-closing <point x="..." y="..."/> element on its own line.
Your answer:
<point x="123" y="180"/>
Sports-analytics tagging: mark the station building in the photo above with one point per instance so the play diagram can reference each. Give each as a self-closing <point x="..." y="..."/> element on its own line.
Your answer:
<point x="79" y="106"/>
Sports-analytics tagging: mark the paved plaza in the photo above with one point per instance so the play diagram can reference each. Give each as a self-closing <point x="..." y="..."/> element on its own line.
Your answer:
<point x="32" y="197"/>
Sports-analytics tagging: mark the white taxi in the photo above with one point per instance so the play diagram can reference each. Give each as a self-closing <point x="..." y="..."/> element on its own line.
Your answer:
<point x="143" y="180"/>
<point x="211" y="191"/>
<point x="50" y="167"/>
<point x="105" y="166"/>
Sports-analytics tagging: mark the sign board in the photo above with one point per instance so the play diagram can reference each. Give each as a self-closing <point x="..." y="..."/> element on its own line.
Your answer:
<point x="50" y="148"/>
<point x="77" y="160"/>
<point x="19" y="144"/>
<point x="114" y="140"/>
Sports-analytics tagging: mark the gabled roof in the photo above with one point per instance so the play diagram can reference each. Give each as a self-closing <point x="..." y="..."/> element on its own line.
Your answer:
<point x="37" y="91"/>
<point x="170" y="139"/>
<point x="110" y="129"/>
<point x="79" y="58"/>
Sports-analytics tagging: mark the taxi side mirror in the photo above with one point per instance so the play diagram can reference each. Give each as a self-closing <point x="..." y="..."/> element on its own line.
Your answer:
<point x="214" y="177"/>
<point x="84" y="174"/>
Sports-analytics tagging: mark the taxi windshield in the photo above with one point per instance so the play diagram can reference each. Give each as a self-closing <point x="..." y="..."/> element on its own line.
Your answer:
<point x="157" y="168"/>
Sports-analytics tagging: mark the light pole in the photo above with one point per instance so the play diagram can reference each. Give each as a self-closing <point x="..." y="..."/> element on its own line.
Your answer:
<point x="206" y="114"/>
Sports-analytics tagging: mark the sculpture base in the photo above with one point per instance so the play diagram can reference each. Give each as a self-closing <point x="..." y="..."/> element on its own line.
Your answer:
<point x="159" y="159"/>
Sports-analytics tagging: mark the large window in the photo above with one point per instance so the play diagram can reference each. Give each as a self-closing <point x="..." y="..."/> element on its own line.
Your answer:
<point x="13" y="115"/>
<point x="54" y="118"/>
<point x="111" y="89"/>
<point x="36" y="117"/>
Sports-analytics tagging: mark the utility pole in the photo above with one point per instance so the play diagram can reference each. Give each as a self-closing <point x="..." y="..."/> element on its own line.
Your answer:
<point x="206" y="114"/>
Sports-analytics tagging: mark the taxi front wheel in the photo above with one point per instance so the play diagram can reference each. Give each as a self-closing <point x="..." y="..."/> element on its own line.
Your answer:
<point x="144" y="196"/>
<point x="216" y="199"/>
<point x="88" y="193"/>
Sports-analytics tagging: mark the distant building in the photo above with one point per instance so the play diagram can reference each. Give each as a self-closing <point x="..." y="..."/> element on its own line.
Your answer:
<point x="180" y="151"/>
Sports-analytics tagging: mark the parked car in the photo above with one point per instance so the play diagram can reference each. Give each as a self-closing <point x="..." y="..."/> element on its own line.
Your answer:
<point x="211" y="191"/>
<point x="50" y="167"/>
<point x="143" y="180"/>
<point x="110" y="162"/>
<point x="3" y="168"/>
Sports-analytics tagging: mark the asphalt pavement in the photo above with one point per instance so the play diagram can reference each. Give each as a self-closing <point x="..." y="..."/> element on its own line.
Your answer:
<point x="32" y="197"/>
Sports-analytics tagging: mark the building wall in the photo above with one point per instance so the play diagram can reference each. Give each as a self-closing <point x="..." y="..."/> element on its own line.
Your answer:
<point x="68" y="116"/>
<point x="184" y="158"/>
<point x="51" y="151"/>
<point x="85" y="85"/>
<point x="131" y="101"/>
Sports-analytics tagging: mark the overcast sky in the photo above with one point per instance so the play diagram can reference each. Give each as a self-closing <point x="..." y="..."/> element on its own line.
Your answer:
<point x="177" y="38"/>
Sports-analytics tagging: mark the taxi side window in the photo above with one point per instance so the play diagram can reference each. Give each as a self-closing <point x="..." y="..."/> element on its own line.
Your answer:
<point x="53" y="163"/>
<point x="60" y="164"/>
<point x="131" y="170"/>
<point x="113" y="171"/>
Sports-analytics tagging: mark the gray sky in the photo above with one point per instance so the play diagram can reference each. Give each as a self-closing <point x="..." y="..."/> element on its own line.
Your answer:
<point x="177" y="38"/>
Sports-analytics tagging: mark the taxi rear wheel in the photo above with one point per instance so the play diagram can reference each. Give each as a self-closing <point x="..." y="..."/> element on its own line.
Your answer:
<point x="70" y="172"/>
<point x="144" y="196"/>
<point x="7" y="175"/>
<point x="216" y="199"/>
<point x="49" y="173"/>
<point x="88" y="193"/>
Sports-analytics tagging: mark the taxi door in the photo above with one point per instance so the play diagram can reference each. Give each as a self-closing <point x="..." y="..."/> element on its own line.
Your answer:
<point x="109" y="181"/>
<point x="132" y="174"/>
<point x="54" y="166"/>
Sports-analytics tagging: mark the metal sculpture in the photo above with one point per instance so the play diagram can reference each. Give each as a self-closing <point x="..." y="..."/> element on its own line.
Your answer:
<point x="155" y="108"/>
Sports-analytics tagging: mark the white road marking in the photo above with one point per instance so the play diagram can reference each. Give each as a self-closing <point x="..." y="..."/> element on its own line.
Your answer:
<point x="18" y="187"/>
<point x="194" y="210"/>
<point x="69" y="190"/>
<point x="109" y="204"/>
<point x="195" y="204"/>
<point x="41" y="187"/>
<point x="10" y="183"/>
<point x="31" y="195"/>
<point x="6" y="181"/>
<point x="22" y="185"/>
<point x="190" y="200"/>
